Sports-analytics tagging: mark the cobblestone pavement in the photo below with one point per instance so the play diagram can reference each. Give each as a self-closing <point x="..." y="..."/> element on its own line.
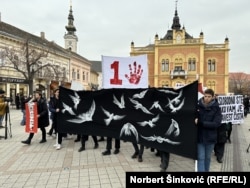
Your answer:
<point x="41" y="165"/>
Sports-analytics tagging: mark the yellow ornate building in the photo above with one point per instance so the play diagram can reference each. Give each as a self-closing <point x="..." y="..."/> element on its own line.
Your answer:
<point x="178" y="59"/>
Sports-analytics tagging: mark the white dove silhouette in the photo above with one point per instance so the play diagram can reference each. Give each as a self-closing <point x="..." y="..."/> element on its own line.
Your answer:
<point x="173" y="108"/>
<point x="127" y="129"/>
<point x="160" y="139"/>
<point x="118" y="103"/>
<point x="87" y="116"/>
<point x="173" y="128"/>
<point x="157" y="106"/>
<point x="176" y="100"/>
<point x="76" y="99"/>
<point x="150" y="122"/>
<point x="168" y="91"/>
<point x="67" y="108"/>
<point x="140" y="106"/>
<point x="140" y="95"/>
<point x="111" y="116"/>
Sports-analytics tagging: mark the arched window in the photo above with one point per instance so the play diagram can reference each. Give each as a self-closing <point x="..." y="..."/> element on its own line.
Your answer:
<point x="211" y="65"/>
<point x="83" y="76"/>
<point x="78" y="74"/>
<point x="191" y="64"/>
<point x="164" y="65"/>
<point x="73" y="74"/>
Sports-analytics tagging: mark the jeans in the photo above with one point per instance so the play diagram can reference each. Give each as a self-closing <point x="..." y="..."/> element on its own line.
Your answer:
<point x="23" y="122"/>
<point x="1" y="120"/>
<point x="204" y="156"/>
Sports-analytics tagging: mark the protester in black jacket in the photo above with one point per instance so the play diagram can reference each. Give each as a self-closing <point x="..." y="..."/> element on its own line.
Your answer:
<point x="219" y="147"/>
<point x="246" y="105"/>
<point x="208" y="121"/>
<point x="42" y="115"/>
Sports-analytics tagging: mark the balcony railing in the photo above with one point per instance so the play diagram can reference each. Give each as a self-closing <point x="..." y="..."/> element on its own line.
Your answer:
<point x="178" y="73"/>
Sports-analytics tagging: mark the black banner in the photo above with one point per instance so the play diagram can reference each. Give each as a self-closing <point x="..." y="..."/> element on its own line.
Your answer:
<point x="162" y="118"/>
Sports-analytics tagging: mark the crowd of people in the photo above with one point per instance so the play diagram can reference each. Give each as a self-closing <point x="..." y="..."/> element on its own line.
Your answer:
<point x="212" y="133"/>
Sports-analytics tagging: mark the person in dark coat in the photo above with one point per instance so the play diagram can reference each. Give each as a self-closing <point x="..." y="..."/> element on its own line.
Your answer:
<point x="219" y="147"/>
<point x="229" y="131"/>
<point x="42" y="115"/>
<point x="84" y="138"/>
<point x="164" y="160"/>
<point x="138" y="152"/>
<point x="208" y="120"/>
<point x="246" y="105"/>
<point x="109" y="146"/>
<point x="17" y="101"/>
<point x="54" y="110"/>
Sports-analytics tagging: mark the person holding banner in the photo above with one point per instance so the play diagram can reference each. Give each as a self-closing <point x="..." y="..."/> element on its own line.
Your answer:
<point x="84" y="138"/>
<point x="138" y="152"/>
<point x="42" y="115"/>
<point x="109" y="146"/>
<point x="208" y="120"/>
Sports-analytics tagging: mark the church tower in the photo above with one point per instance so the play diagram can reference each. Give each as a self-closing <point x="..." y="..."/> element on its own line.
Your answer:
<point x="70" y="38"/>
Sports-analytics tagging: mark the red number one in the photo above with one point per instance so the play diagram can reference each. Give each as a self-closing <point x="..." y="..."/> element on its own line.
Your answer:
<point x="115" y="80"/>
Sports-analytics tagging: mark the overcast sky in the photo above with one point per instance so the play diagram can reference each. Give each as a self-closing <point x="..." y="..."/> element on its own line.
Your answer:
<point x="107" y="27"/>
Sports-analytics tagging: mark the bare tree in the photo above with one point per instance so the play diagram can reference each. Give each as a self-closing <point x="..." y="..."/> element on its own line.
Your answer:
<point x="26" y="61"/>
<point x="239" y="83"/>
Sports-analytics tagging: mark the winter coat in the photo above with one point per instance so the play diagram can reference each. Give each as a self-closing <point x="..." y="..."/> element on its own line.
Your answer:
<point x="209" y="119"/>
<point x="222" y="133"/>
<point x="2" y="106"/>
<point x="42" y="110"/>
<point x="53" y="105"/>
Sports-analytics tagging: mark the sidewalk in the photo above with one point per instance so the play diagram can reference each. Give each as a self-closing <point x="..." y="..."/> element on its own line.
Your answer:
<point x="40" y="165"/>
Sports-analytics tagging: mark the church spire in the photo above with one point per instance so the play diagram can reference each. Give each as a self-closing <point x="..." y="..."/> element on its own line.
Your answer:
<point x="70" y="27"/>
<point x="176" y="21"/>
<point x="70" y="38"/>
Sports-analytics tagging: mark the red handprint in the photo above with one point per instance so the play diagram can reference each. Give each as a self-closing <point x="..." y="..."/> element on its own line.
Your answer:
<point x="135" y="76"/>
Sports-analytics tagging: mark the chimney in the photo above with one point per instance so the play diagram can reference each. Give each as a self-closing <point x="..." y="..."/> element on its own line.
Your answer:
<point x="42" y="35"/>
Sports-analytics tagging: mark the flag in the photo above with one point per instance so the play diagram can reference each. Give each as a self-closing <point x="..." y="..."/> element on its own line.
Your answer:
<point x="161" y="118"/>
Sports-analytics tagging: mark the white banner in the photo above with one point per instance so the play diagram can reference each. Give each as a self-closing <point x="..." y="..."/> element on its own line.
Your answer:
<point x="125" y="72"/>
<point x="232" y="108"/>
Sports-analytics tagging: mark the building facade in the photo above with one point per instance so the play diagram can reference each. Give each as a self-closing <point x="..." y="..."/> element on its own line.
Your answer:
<point x="65" y="64"/>
<point x="178" y="59"/>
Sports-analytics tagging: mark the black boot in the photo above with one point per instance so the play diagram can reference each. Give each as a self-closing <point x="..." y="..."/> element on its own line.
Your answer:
<point x="81" y="149"/>
<point x="42" y="141"/>
<point x="78" y="138"/>
<point x="135" y="155"/>
<point x="107" y="152"/>
<point x="26" y="141"/>
<point x="43" y="136"/>
<point x="139" y="158"/>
